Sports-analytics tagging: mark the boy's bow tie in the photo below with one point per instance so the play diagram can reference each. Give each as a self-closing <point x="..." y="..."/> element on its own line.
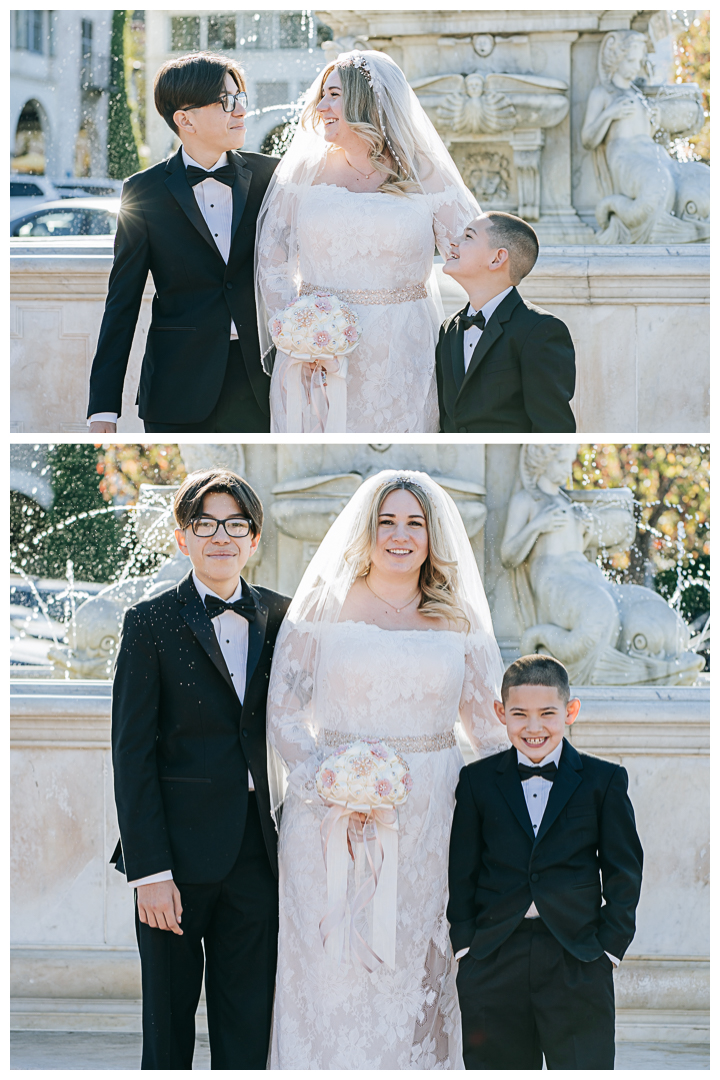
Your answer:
<point x="546" y="771"/>
<point x="478" y="319"/>
<point x="225" y="174"/>
<point x="245" y="606"/>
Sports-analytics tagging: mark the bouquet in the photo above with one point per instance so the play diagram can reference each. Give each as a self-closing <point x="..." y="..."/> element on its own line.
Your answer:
<point x="363" y="776"/>
<point x="316" y="327"/>
<point x="365" y="782"/>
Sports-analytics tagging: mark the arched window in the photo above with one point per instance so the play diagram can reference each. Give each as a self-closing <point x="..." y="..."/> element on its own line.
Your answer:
<point x="30" y="148"/>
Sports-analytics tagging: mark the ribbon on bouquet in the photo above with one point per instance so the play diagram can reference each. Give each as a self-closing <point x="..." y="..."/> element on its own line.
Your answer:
<point x="378" y="831"/>
<point x="325" y="388"/>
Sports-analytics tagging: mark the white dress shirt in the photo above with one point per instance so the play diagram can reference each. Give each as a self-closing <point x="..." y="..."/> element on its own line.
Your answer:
<point x="215" y="202"/>
<point x="536" y="790"/>
<point x="231" y="631"/>
<point x="474" y="333"/>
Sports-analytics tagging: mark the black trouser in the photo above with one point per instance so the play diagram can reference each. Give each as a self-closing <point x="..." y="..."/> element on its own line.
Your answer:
<point x="532" y="997"/>
<point x="236" y="410"/>
<point x="236" y="921"/>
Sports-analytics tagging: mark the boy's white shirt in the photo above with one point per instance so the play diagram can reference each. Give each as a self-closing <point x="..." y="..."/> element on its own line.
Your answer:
<point x="536" y="790"/>
<point x="474" y="333"/>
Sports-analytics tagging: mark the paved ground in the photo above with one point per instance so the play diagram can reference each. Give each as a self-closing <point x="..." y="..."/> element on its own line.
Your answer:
<point x="99" y="1050"/>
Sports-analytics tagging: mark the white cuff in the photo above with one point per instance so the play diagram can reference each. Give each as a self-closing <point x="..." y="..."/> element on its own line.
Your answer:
<point x="164" y="875"/>
<point x="103" y="418"/>
<point x="614" y="959"/>
<point x="462" y="953"/>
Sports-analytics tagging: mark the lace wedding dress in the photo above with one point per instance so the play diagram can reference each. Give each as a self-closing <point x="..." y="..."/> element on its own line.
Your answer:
<point x="406" y="687"/>
<point x="374" y="250"/>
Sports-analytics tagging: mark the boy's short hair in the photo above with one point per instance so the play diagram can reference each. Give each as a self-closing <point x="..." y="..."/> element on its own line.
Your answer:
<point x="536" y="670"/>
<point x="188" y="502"/>
<point x="520" y="240"/>
<point x="194" y="80"/>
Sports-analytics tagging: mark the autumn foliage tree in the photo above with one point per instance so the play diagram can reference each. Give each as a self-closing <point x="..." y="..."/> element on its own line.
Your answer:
<point x="691" y="53"/>
<point x="671" y="489"/>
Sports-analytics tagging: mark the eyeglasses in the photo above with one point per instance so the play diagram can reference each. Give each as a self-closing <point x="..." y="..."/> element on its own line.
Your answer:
<point x="235" y="527"/>
<point x="229" y="102"/>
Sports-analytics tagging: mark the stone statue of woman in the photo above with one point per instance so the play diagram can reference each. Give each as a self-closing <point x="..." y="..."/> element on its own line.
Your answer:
<point x="648" y="196"/>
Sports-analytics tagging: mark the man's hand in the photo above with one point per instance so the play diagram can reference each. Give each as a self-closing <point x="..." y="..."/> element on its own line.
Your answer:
<point x="102" y="427"/>
<point x="159" y="905"/>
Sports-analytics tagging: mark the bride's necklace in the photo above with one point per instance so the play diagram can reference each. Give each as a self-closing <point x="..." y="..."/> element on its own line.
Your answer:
<point x="398" y="609"/>
<point x="366" y="177"/>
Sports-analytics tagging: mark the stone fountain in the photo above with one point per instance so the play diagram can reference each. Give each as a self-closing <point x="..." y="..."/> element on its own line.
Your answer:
<point x="560" y="602"/>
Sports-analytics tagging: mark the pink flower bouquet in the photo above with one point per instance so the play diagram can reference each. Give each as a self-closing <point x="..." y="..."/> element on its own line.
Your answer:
<point x="316" y="327"/>
<point x="364" y="776"/>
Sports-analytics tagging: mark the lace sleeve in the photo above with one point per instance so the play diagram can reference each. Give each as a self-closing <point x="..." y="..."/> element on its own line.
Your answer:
<point x="291" y="723"/>
<point x="452" y="209"/>
<point x="481" y="687"/>
<point x="276" y="257"/>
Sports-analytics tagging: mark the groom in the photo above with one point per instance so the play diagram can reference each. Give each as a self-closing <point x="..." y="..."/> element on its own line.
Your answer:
<point x="198" y="843"/>
<point x="190" y="221"/>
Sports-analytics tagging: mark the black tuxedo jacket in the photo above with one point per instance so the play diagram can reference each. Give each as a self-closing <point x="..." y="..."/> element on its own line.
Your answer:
<point x="161" y="230"/>
<point x="586" y="850"/>
<point x="182" y="743"/>
<point x="521" y="376"/>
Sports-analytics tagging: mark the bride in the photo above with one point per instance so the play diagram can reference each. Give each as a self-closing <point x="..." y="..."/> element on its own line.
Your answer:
<point x="356" y="208"/>
<point x="388" y="638"/>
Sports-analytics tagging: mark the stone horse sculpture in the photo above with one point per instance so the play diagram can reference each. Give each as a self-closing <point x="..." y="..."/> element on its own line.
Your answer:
<point x="605" y="634"/>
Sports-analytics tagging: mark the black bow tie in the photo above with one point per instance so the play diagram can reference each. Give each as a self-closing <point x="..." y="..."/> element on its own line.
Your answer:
<point x="245" y="606"/>
<point x="546" y="771"/>
<point x="225" y="174"/>
<point x="478" y="319"/>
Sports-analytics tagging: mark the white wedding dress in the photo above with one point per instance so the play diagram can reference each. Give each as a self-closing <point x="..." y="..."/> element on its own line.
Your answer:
<point x="350" y="243"/>
<point x="409" y="684"/>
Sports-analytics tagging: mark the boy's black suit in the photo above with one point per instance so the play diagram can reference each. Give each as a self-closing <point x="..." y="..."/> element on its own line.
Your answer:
<point x="182" y="747"/>
<point x="521" y="376"/>
<point x="161" y="230"/>
<point x="587" y="850"/>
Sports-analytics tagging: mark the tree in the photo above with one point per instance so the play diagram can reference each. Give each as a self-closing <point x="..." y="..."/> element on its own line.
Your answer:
<point x="124" y="467"/>
<point x="80" y="527"/>
<point x="86" y="524"/>
<point x="691" y="54"/>
<point x="671" y="488"/>
<point x="122" y="157"/>
<point x="278" y="139"/>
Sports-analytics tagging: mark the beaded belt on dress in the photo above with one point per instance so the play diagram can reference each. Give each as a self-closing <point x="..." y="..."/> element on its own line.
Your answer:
<point x="369" y="296"/>
<point x="403" y="744"/>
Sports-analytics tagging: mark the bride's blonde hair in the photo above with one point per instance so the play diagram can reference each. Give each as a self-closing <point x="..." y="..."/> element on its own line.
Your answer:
<point x="438" y="574"/>
<point x="361" y="113"/>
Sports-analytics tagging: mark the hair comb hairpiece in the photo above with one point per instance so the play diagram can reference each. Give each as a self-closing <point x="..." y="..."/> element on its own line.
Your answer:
<point x="360" y="62"/>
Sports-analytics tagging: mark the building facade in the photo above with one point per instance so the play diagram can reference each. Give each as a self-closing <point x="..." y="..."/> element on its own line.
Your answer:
<point x="59" y="79"/>
<point x="279" y="52"/>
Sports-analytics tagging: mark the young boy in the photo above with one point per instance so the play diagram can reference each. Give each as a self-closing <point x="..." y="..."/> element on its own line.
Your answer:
<point x="502" y="364"/>
<point x="191" y="785"/>
<point x="545" y="871"/>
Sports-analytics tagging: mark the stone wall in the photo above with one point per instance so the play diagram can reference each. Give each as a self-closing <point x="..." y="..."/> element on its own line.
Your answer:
<point x="74" y="960"/>
<point x="632" y="311"/>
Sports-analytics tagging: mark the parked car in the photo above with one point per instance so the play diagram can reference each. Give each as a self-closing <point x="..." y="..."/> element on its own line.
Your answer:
<point x="69" y="217"/>
<point x="27" y="192"/>
<point x="94" y="186"/>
